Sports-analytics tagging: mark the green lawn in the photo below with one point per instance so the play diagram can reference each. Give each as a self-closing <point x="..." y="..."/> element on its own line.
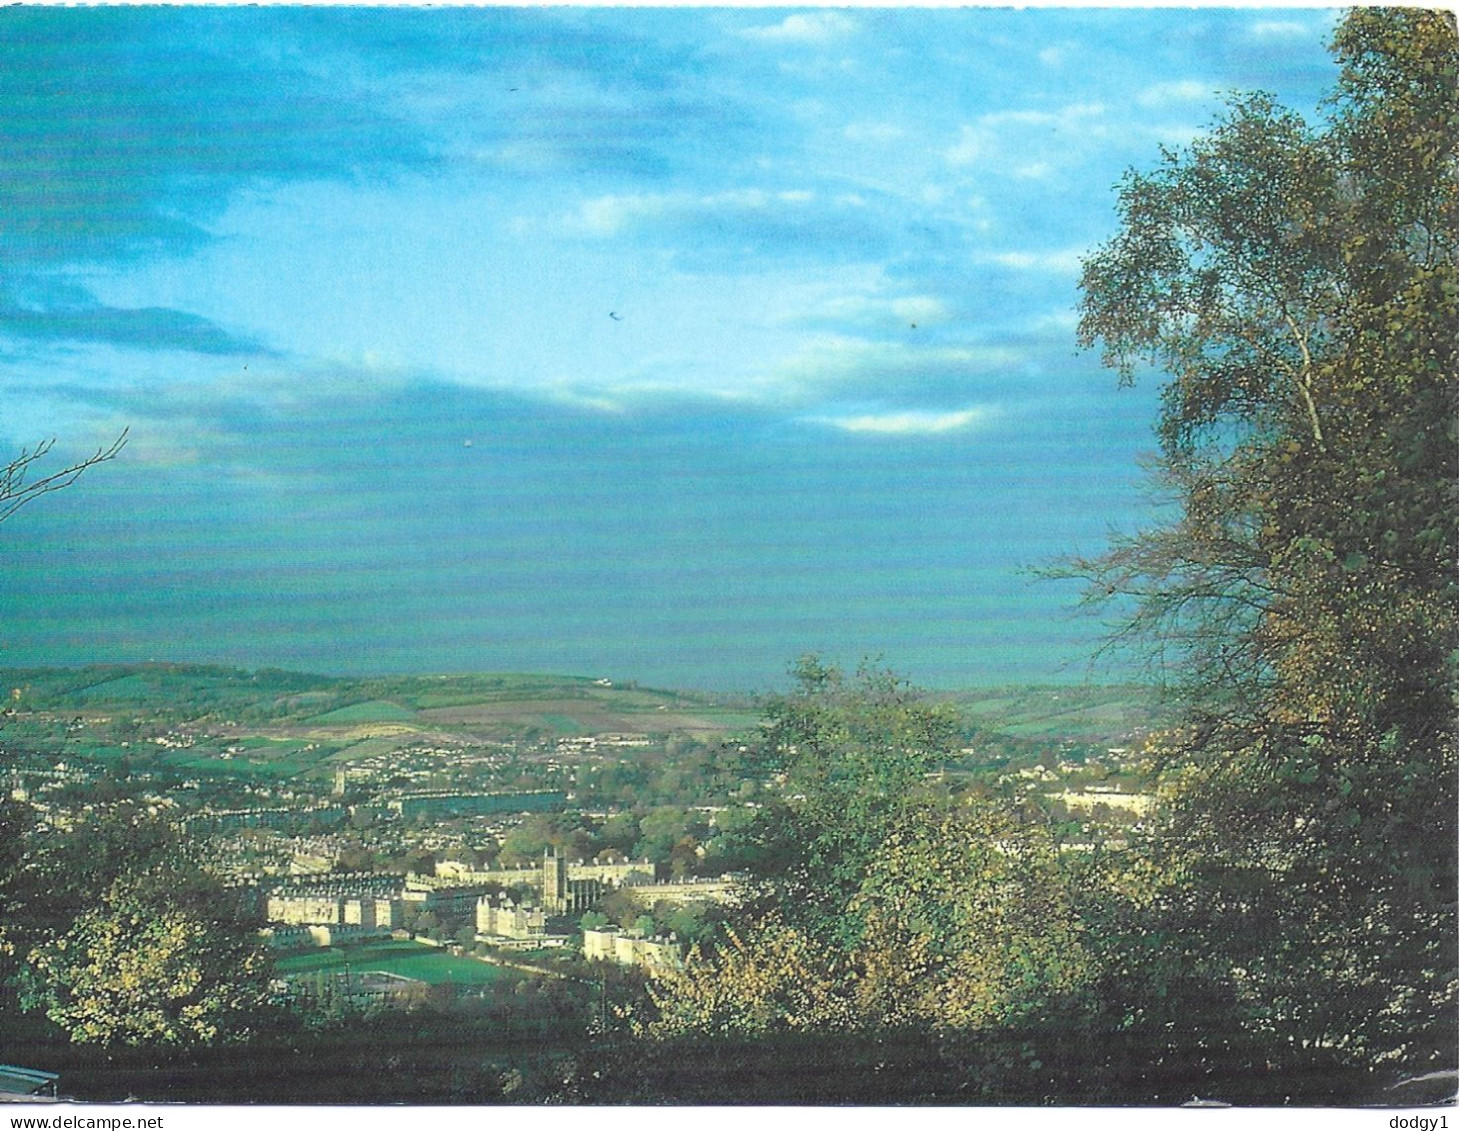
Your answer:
<point x="408" y="959"/>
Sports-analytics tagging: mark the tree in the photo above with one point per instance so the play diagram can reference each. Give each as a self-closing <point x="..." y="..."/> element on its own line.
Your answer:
<point x="884" y="909"/>
<point x="694" y="924"/>
<point x="1300" y="286"/>
<point x="970" y="925"/>
<point x="854" y="753"/>
<point x="776" y="981"/>
<point x="15" y="822"/>
<point x="17" y="488"/>
<point x="122" y="936"/>
<point x="354" y="857"/>
<point x="967" y="924"/>
<point x="620" y="832"/>
<point x="660" y="830"/>
<point x="142" y="969"/>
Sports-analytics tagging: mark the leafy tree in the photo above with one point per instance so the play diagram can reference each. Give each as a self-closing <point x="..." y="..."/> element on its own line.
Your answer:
<point x="578" y="844"/>
<point x="1300" y="286"/>
<point x="354" y="857"/>
<point x="886" y="908"/>
<point x="18" y="487"/>
<point x="15" y="822"/>
<point x="684" y="857"/>
<point x="621" y="906"/>
<point x="121" y="936"/>
<point x="525" y="844"/>
<point x="141" y="968"/>
<point x="660" y="830"/>
<point x="967" y="923"/>
<point x="60" y="876"/>
<point x="693" y="923"/>
<point x="620" y="832"/>
<point x="970" y="924"/>
<point x="854" y="753"/>
<point x="776" y="981"/>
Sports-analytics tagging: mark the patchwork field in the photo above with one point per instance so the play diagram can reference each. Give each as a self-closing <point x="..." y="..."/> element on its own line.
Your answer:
<point x="286" y="724"/>
<point x="591" y="714"/>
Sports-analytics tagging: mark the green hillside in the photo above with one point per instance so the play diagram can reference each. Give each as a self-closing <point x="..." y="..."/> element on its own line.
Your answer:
<point x="272" y="723"/>
<point x="1089" y="713"/>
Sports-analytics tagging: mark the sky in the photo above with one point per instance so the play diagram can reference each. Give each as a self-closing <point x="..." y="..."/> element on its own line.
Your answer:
<point x="652" y="344"/>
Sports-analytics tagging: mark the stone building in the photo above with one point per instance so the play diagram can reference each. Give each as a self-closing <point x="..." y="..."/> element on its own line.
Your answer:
<point x="360" y="900"/>
<point x="456" y="901"/>
<point x="509" y="921"/>
<point x="301" y="936"/>
<point x="562" y="892"/>
<point x="436" y="804"/>
<point x="628" y="948"/>
<point x="690" y="889"/>
<point x="610" y="875"/>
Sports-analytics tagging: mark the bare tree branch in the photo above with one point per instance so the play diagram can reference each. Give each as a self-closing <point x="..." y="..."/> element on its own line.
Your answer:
<point x="16" y="491"/>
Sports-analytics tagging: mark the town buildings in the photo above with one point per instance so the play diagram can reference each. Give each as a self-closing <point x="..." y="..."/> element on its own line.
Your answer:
<point x="628" y="948"/>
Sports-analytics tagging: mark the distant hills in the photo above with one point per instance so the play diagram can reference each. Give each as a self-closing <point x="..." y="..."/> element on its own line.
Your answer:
<point x="491" y="705"/>
<point x="504" y="705"/>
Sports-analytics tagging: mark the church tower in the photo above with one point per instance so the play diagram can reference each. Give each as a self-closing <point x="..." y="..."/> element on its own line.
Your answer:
<point x="554" y="882"/>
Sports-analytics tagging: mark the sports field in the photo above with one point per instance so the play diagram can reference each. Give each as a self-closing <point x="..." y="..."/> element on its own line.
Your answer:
<point x="408" y="959"/>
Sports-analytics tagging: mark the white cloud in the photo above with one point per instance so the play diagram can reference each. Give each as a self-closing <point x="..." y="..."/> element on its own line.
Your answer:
<point x="606" y="216"/>
<point x="873" y="132"/>
<point x="1279" y="29"/>
<point x="1066" y="117"/>
<point x="1176" y="135"/>
<point x="171" y="443"/>
<point x="807" y="27"/>
<point x="863" y="310"/>
<point x="968" y="147"/>
<point x="996" y="136"/>
<point x="566" y="395"/>
<point x="922" y="309"/>
<point x="839" y="366"/>
<point x="1063" y="261"/>
<point x="1060" y="321"/>
<point x="908" y="423"/>
<point x="1170" y="93"/>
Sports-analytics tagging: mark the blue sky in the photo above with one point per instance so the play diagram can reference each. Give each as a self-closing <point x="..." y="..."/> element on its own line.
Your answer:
<point x="658" y="344"/>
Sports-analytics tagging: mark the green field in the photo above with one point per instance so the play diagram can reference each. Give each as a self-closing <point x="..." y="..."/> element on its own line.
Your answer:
<point x="408" y="959"/>
<point x="1085" y="713"/>
<point x="497" y="705"/>
<point x="374" y="711"/>
<point x="291" y="724"/>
